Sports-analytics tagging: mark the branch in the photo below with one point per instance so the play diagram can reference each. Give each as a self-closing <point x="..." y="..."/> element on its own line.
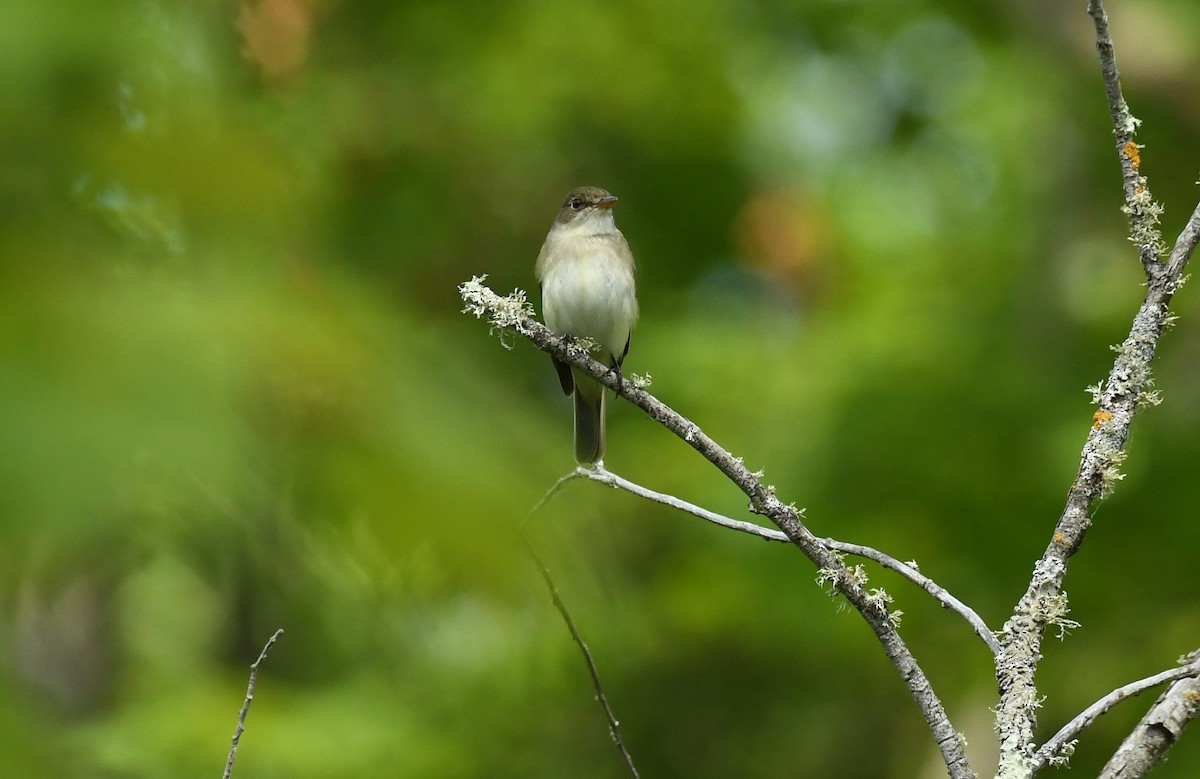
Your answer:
<point x="241" y="723"/>
<point x="1158" y="731"/>
<point x="907" y="570"/>
<point x="614" y="727"/>
<point x="1060" y="747"/>
<point x="514" y="314"/>
<point x="1143" y="212"/>
<point x="1126" y="390"/>
<point x="601" y="475"/>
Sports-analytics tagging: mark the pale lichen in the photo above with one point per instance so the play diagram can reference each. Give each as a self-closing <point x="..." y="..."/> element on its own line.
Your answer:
<point x="878" y="598"/>
<point x="641" y="381"/>
<point x="1053" y="610"/>
<point x="1144" y="214"/>
<point x="1062" y="758"/>
<point x="1149" y="398"/>
<point x="1110" y="470"/>
<point x="503" y="312"/>
<point x="832" y="579"/>
<point x="1128" y="122"/>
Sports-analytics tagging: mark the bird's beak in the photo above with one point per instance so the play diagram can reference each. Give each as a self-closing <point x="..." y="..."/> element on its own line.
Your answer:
<point x="608" y="201"/>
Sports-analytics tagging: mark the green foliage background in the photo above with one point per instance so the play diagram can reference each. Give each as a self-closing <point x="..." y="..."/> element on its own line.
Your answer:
<point x="881" y="255"/>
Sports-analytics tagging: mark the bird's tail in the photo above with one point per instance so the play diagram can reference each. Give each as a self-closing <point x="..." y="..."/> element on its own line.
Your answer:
<point x="589" y="420"/>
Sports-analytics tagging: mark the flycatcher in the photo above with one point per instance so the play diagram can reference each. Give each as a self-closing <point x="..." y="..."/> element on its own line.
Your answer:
<point x="585" y="271"/>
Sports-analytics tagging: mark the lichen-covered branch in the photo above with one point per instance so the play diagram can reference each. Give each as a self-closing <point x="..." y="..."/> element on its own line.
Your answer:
<point x="1127" y="389"/>
<point x="1140" y="207"/>
<point x="514" y="314"/>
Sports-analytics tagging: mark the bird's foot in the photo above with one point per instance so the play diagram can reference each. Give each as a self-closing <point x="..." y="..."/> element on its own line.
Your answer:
<point x="620" y="377"/>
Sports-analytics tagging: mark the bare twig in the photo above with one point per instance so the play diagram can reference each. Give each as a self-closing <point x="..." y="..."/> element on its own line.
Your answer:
<point x="1064" y="738"/>
<point x="1126" y="390"/>
<point x="1158" y="731"/>
<point x="604" y="476"/>
<point x="241" y="723"/>
<point x="513" y="313"/>
<point x="614" y="727"/>
<point x="550" y="493"/>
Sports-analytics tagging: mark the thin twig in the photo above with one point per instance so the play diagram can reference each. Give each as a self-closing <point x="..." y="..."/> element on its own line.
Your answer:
<point x="614" y="727"/>
<point x="603" y="476"/>
<point x="241" y="723"/>
<point x="1085" y="718"/>
<point x="550" y="493"/>
<point x="514" y="313"/>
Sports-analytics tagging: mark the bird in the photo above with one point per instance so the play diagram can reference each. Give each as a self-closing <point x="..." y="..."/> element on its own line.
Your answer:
<point x="585" y="272"/>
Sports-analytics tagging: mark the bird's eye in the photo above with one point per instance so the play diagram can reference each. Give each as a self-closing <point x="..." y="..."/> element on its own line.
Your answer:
<point x="576" y="203"/>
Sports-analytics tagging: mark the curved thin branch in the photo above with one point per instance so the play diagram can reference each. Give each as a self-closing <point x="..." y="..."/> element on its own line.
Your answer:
<point x="604" y="476"/>
<point x="614" y="727"/>
<point x="1052" y="748"/>
<point x="515" y="314"/>
<point x="550" y="493"/>
<point x="943" y="596"/>
<point x="1120" y="396"/>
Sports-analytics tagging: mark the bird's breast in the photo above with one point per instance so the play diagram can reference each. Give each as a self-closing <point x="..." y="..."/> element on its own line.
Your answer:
<point x="588" y="289"/>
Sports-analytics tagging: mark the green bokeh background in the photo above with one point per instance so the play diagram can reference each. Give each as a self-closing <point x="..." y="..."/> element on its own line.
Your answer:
<point x="880" y="255"/>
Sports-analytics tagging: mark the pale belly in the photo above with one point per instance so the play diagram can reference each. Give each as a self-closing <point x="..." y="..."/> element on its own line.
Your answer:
<point x="592" y="295"/>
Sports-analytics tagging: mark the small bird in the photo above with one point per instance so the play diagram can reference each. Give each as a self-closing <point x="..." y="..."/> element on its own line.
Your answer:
<point x="585" y="271"/>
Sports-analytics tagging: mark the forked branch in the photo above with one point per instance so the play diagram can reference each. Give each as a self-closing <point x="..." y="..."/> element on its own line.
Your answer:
<point x="1127" y="389"/>
<point x="515" y="315"/>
